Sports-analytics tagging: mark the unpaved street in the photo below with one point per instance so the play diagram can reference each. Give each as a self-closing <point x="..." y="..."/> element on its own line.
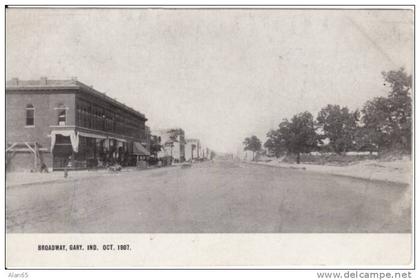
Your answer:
<point x="210" y="197"/>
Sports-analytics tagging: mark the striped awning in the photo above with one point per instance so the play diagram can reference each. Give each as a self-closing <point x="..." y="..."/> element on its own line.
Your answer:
<point x="139" y="150"/>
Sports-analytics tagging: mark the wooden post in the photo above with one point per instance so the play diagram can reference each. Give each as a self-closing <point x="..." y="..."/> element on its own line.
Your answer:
<point x="30" y="148"/>
<point x="36" y="156"/>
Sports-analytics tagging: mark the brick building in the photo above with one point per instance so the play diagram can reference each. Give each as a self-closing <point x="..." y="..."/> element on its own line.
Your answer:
<point x="67" y="123"/>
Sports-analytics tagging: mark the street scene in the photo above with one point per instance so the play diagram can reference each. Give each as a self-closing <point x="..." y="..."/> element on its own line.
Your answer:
<point x="209" y="121"/>
<point x="220" y="196"/>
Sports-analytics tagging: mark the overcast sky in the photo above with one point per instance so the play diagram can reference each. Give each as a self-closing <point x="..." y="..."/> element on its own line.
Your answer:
<point x="221" y="75"/>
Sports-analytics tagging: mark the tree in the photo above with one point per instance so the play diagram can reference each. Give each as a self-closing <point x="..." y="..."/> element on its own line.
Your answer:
<point x="155" y="145"/>
<point x="364" y="139"/>
<point x="399" y="81"/>
<point x="400" y="108"/>
<point x="274" y="143"/>
<point x="299" y="135"/>
<point x="252" y="144"/>
<point x="377" y="124"/>
<point x="388" y="120"/>
<point x="339" y="126"/>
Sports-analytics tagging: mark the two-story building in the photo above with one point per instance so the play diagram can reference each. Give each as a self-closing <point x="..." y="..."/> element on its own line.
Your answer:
<point x="65" y="123"/>
<point x="173" y="143"/>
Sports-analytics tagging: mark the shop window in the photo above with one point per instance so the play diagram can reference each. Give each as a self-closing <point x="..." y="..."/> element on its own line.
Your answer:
<point x="62" y="140"/>
<point x="30" y="115"/>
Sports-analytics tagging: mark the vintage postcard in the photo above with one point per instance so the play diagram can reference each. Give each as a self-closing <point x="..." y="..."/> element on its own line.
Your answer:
<point x="188" y="137"/>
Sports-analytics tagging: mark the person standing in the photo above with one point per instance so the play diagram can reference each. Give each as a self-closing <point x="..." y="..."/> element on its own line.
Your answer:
<point x="67" y="166"/>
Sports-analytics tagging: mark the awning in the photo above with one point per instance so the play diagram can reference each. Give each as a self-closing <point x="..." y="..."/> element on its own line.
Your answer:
<point x="91" y="135"/>
<point x="118" y="139"/>
<point x="74" y="138"/>
<point x="139" y="150"/>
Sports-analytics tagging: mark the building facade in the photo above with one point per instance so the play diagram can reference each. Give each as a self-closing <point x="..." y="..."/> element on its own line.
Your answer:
<point x="67" y="124"/>
<point x="192" y="149"/>
<point x="173" y="143"/>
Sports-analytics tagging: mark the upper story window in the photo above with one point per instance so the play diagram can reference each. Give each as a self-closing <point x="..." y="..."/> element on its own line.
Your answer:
<point x="30" y="115"/>
<point x="61" y="115"/>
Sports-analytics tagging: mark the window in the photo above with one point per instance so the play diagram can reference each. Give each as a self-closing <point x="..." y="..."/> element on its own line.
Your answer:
<point x="61" y="115"/>
<point x="85" y="114"/>
<point x="30" y="115"/>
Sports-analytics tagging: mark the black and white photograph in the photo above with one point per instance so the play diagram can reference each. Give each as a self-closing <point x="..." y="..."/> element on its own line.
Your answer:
<point x="214" y="121"/>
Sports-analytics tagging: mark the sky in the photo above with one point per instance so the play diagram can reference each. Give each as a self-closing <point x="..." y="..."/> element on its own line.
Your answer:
<point x="220" y="74"/>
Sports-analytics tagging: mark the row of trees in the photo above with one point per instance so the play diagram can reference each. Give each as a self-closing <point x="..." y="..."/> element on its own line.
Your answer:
<point x="384" y="123"/>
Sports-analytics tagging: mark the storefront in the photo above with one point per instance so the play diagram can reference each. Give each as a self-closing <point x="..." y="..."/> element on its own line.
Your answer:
<point x="142" y="155"/>
<point x="85" y="127"/>
<point x="82" y="150"/>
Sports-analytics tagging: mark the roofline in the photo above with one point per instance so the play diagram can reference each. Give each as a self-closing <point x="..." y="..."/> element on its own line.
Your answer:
<point x="167" y="129"/>
<point x="40" y="87"/>
<point x="77" y="86"/>
<point x="93" y="91"/>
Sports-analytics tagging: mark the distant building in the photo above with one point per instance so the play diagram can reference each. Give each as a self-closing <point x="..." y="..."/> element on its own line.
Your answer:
<point x="147" y="139"/>
<point x="65" y="123"/>
<point x="206" y="153"/>
<point x="173" y="143"/>
<point x="192" y="149"/>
